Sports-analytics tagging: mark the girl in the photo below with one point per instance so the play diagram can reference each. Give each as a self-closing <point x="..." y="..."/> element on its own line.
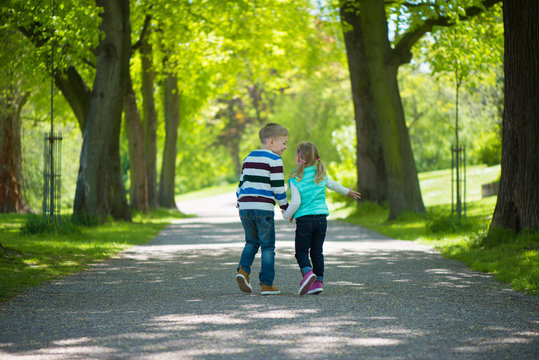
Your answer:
<point x="307" y="184"/>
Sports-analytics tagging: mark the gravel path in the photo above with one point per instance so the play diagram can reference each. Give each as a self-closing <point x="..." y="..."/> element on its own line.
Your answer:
<point x="176" y="298"/>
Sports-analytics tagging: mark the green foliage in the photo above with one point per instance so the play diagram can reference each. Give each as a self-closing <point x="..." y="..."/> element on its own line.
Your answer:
<point x="489" y="148"/>
<point x="467" y="55"/>
<point x="429" y="104"/>
<point x="199" y="163"/>
<point x="469" y="49"/>
<point x="319" y="110"/>
<point x="74" y="44"/>
<point x="442" y="223"/>
<point x="37" y="224"/>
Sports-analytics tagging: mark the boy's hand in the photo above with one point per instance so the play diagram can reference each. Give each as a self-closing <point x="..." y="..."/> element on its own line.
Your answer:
<point x="353" y="194"/>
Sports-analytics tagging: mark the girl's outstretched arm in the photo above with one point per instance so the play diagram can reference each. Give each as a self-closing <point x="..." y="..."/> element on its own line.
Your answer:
<point x="350" y="192"/>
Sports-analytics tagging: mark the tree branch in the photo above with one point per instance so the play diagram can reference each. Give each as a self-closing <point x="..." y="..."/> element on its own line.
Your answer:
<point x="68" y="81"/>
<point x="402" y="52"/>
<point x="143" y="33"/>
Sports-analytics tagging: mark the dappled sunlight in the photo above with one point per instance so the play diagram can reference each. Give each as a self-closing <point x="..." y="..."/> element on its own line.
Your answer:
<point x="346" y="284"/>
<point x="194" y="319"/>
<point x="374" y="342"/>
<point x="477" y="345"/>
<point x="280" y="314"/>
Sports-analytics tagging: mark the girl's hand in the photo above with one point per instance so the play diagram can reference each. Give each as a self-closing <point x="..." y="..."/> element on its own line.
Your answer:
<point x="353" y="194"/>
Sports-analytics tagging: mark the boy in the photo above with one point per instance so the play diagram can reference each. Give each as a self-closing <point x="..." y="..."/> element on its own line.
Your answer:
<point x="261" y="185"/>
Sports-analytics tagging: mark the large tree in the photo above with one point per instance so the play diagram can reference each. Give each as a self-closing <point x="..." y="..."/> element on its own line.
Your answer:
<point x="517" y="207"/>
<point x="12" y="99"/>
<point x="374" y="62"/>
<point x="137" y="163"/>
<point x="100" y="189"/>
<point x="139" y="194"/>
<point x="149" y="114"/>
<point x="371" y="171"/>
<point x="13" y="96"/>
<point x="172" y="119"/>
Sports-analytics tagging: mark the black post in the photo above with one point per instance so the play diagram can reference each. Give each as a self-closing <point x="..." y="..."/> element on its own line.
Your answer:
<point x="51" y="134"/>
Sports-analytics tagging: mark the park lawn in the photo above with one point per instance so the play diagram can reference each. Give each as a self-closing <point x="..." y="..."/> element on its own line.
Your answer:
<point x="31" y="260"/>
<point x="513" y="260"/>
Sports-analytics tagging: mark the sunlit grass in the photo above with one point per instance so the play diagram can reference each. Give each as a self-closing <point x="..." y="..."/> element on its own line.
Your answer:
<point x="30" y="260"/>
<point x="512" y="259"/>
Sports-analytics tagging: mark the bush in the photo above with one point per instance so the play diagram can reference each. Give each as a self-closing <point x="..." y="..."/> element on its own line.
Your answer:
<point x="88" y="220"/>
<point x="447" y="224"/>
<point x="36" y="224"/>
<point x="489" y="148"/>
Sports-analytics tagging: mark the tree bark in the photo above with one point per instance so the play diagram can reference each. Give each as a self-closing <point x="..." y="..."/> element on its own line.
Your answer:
<point x="100" y="190"/>
<point x="149" y="117"/>
<point x="11" y="193"/>
<point x="403" y="192"/>
<point x="172" y="119"/>
<point x="371" y="172"/>
<point x="517" y="207"/>
<point x="137" y="163"/>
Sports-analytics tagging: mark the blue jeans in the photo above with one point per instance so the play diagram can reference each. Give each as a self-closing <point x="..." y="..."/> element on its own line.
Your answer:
<point x="310" y="236"/>
<point x="259" y="227"/>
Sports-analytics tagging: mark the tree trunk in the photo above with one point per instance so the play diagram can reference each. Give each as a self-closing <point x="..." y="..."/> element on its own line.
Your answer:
<point x="172" y="119"/>
<point x="149" y="116"/>
<point x="11" y="194"/>
<point x="100" y="190"/>
<point x="371" y="172"/>
<point x="403" y="190"/>
<point x="517" y="207"/>
<point x="137" y="163"/>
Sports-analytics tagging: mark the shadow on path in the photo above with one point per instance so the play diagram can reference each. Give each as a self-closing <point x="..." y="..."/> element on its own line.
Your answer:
<point x="176" y="298"/>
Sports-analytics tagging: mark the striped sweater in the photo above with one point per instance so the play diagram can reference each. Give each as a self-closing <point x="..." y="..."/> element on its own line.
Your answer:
<point x="262" y="182"/>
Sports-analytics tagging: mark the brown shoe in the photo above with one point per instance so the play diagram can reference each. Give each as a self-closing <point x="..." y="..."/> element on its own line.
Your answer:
<point x="243" y="281"/>
<point x="268" y="289"/>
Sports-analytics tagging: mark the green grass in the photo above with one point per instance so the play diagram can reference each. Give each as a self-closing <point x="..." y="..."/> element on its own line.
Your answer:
<point x="512" y="259"/>
<point x="30" y="260"/>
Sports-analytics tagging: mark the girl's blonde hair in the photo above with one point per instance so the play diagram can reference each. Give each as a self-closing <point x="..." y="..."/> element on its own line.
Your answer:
<point x="308" y="156"/>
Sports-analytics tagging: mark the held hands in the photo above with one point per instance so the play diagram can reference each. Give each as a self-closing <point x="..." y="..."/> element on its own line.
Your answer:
<point x="289" y="220"/>
<point x="353" y="194"/>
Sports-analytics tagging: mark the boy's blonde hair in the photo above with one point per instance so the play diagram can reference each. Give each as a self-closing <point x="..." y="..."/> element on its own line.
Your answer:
<point x="308" y="156"/>
<point x="272" y="130"/>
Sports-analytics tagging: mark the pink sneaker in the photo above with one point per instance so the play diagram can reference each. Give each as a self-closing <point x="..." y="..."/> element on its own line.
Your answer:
<point x="306" y="282"/>
<point x="316" y="288"/>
